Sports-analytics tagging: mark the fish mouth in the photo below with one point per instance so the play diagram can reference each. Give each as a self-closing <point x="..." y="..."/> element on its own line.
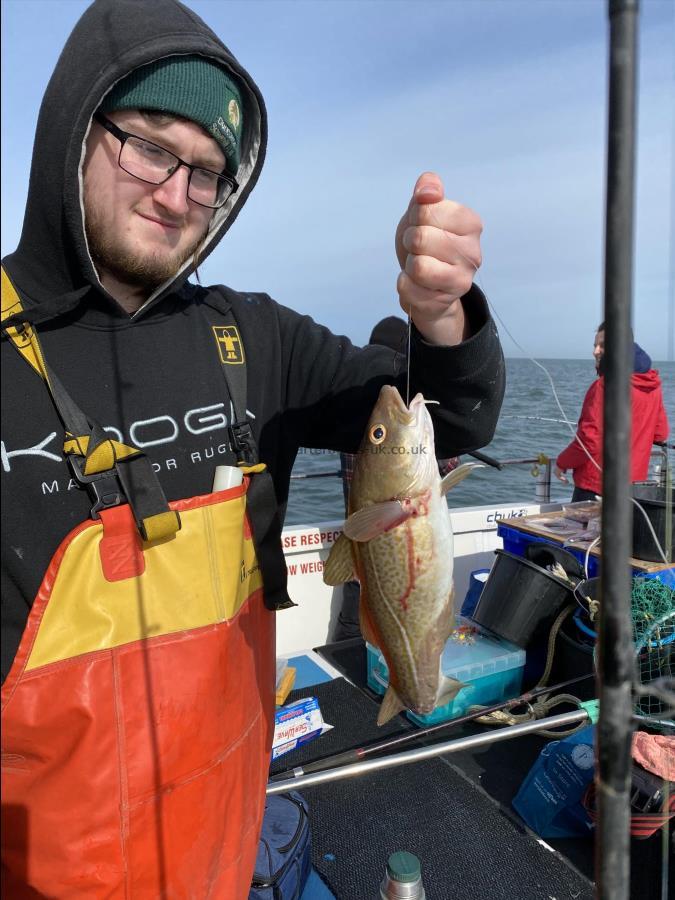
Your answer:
<point x="408" y="415"/>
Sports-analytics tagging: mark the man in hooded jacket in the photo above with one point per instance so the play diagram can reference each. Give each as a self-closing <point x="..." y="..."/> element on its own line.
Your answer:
<point x="137" y="603"/>
<point x="649" y="424"/>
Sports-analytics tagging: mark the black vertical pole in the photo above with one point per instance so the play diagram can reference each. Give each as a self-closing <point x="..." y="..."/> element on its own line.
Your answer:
<point x="615" y="647"/>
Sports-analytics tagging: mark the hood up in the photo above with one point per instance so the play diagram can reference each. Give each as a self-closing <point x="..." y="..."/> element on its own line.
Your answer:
<point x="646" y="381"/>
<point x="641" y="361"/>
<point x="51" y="266"/>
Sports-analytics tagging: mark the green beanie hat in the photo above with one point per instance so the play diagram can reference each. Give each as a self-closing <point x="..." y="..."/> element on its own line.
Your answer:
<point x="189" y="86"/>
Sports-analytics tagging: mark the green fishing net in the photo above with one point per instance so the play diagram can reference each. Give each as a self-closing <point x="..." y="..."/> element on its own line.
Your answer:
<point x="651" y="600"/>
<point x="653" y="611"/>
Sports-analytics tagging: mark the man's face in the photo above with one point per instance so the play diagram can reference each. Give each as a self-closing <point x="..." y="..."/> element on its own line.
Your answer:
<point x="598" y="348"/>
<point x="139" y="233"/>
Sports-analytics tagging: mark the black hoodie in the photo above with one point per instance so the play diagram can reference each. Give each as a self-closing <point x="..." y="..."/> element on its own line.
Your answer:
<point x="155" y="379"/>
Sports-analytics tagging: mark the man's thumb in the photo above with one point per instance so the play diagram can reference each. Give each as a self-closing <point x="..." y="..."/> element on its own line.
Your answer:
<point x="428" y="188"/>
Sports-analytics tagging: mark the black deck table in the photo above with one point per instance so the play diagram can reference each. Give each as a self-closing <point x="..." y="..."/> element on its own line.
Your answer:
<point x="453" y="812"/>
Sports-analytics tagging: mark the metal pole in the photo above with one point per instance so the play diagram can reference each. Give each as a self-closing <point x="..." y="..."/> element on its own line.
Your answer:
<point x="670" y="300"/>
<point x="356" y="754"/>
<point x="411" y="756"/>
<point x="615" y="647"/>
<point x="543" y="485"/>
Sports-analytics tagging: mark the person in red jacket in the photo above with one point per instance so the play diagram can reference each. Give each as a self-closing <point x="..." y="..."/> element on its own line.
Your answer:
<point x="649" y="425"/>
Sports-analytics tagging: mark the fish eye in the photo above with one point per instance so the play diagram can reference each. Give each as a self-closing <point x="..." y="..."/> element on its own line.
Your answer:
<point x="377" y="434"/>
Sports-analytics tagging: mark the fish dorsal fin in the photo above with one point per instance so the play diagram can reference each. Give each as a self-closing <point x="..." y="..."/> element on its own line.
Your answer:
<point x="374" y="520"/>
<point x="452" y="479"/>
<point x="339" y="566"/>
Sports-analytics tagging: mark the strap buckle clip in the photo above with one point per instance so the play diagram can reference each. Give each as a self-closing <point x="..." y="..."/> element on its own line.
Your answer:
<point x="104" y="488"/>
<point x="243" y="443"/>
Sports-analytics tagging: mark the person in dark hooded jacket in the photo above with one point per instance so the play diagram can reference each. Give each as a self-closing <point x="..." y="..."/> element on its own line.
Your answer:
<point x="649" y="424"/>
<point x="137" y="601"/>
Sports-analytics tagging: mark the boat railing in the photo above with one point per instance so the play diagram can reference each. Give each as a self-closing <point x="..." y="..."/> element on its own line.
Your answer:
<point x="542" y="468"/>
<point x="660" y="464"/>
<point x="541" y="471"/>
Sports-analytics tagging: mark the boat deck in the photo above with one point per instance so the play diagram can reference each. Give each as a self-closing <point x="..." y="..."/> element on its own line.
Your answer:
<point x="453" y="812"/>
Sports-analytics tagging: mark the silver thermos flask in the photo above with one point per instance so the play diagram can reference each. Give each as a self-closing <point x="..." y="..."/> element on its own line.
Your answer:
<point x="402" y="879"/>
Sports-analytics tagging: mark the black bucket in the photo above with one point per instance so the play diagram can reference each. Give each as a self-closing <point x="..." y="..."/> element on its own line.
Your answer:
<point x="585" y="592"/>
<point x="544" y="554"/>
<point x="520" y="600"/>
<point x="652" y="499"/>
<point x="572" y="658"/>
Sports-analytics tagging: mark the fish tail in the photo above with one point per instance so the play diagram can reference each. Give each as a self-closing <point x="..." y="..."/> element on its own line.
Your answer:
<point x="448" y="690"/>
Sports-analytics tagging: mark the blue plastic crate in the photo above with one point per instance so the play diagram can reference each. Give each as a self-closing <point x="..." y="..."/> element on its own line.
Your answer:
<point x="491" y="668"/>
<point x="667" y="576"/>
<point x="516" y="541"/>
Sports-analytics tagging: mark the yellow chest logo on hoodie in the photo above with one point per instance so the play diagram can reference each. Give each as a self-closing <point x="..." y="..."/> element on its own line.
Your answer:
<point x="229" y="344"/>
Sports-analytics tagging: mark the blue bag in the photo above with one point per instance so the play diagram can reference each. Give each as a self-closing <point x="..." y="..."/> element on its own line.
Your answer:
<point x="284" y="853"/>
<point x="550" y="798"/>
<point x="476" y="584"/>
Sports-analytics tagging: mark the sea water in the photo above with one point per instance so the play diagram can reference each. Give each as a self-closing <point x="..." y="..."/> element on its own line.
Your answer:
<point x="523" y="431"/>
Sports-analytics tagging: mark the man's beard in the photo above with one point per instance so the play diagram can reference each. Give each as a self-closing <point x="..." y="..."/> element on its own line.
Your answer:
<point x="109" y="254"/>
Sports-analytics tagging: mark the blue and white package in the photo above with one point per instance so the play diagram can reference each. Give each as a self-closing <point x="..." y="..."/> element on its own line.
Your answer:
<point x="296" y="724"/>
<point x="550" y="798"/>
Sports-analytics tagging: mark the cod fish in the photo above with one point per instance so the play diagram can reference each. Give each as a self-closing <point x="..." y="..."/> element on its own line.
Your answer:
<point x="397" y="541"/>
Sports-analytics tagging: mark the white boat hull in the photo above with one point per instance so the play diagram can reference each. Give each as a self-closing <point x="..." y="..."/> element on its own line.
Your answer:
<point x="311" y="622"/>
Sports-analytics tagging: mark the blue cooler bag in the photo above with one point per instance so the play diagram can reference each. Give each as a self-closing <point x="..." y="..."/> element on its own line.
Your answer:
<point x="550" y="798"/>
<point x="284" y="859"/>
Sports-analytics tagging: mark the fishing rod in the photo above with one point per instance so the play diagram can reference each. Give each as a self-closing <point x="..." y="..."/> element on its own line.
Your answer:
<point x="304" y="475"/>
<point x="476" y="454"/>
<point x="488" y="460"/>
<point x="356" y="754"/>
<point x="534" y="418"/>
<point x="410" y="756"/>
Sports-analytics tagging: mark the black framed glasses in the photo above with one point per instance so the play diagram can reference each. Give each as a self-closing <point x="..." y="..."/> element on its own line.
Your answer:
<point x="154" y="164"/>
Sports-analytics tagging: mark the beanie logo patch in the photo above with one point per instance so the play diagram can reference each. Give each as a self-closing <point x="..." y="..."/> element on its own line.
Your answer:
<point x="233" y="114"/>
<point x="224" y="135"/>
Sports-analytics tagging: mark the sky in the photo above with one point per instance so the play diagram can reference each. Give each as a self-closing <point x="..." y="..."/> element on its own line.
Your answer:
<point x="504" y="99"/>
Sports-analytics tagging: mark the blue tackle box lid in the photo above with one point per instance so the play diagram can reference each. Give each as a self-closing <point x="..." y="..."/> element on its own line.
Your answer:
<point x="470" y="653"/>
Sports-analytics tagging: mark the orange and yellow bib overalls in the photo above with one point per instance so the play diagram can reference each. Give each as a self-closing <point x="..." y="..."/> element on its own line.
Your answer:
<point x="136" y="718"/>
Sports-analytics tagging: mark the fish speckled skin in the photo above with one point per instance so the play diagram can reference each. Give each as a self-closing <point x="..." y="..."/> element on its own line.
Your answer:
<point x="398" y="542"/>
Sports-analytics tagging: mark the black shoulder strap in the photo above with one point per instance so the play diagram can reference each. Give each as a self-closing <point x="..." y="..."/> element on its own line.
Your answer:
<point x="262" y="506"/>
<point x="109" y="470"/>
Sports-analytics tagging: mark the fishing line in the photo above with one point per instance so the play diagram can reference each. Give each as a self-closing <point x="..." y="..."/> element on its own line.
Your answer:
<point x="659" y="548"/>
<point x="565" y="419"/>
<point x="407" y="385"/>
<point x="479" y="281"/>
<point x="534" y="419"/>
<point x="588" y="553"/>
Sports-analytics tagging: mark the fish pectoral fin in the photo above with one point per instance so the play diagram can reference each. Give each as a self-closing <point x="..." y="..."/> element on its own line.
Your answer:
<point x="339" y="566"/>
<point x="374" y="520"/>
<point x="391" y="706"/>
<point x="448" y="690"/>
<point x="452" y="479"/>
